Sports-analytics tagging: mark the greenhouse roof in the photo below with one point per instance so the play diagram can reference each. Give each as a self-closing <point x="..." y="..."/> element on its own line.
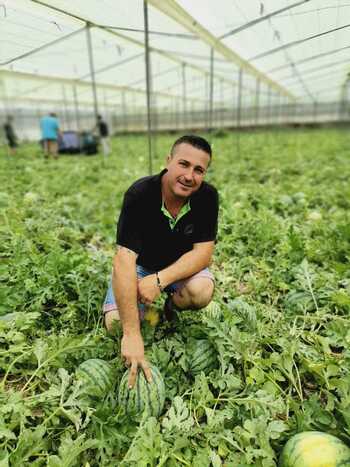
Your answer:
<point x="293" y="49"/>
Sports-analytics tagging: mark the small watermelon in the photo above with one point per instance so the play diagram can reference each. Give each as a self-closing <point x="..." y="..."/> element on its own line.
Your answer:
<point x="314" y="449"/>
<point x="97" y="377"/>
<point x="144" y="396"/>
<point x="152" y="316"/>
<point x="202" y="356"/>
<point x="213" y="310"/>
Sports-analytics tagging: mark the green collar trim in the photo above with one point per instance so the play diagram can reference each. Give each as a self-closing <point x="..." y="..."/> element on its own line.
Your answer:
<point x="172" y="222"/>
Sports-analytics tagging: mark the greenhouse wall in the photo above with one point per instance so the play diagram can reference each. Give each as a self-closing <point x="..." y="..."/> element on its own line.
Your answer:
<point x="27" y="120"/>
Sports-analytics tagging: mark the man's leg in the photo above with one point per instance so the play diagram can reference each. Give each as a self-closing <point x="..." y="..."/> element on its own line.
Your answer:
<point x="110" y="309"/>
<point x="105" y="148"/>
<point x="54" y="148"/>
<point x="108" y="146"/>
<point x="112" y="318"/>
<point x="46" y="148"/>
<point x="195" y="294"/>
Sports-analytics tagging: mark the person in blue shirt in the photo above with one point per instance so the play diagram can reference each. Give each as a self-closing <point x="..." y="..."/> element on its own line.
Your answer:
<point x="50" y="131"/>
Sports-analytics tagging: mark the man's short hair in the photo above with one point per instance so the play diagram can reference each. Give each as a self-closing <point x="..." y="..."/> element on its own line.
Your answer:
<point x="193" y="140"/>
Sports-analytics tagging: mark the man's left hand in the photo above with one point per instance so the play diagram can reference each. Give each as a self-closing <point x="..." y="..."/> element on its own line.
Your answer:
<point x="148" y="289"/>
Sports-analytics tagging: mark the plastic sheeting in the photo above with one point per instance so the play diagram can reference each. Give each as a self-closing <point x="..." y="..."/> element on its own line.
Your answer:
<point x="302" y="46"/>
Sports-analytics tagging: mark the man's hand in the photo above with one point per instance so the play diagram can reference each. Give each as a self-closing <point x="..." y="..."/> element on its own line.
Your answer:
<point x="147" y="289"/>
<point x="133" y="352"/>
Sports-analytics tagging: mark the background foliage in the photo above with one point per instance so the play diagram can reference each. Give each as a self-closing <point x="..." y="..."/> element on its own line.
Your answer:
<point x="279" y="320"/>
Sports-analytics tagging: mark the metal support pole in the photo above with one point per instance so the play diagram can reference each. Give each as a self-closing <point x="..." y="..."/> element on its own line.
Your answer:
<point x="148" y="87"/>
<point x="76" y="107"/>
<point x="234" y="99"/>
<point x="268" y="119"/>
<point x="239" y="107"/>
<point x="134" y="110"/>
<point x="184" y="94"/>
<point x="105" y="106"/>
<point x="287" y="111"/>
<point x="206" y="101"/>
<point x="193" y="113"/>
<point x="282" y="109"/>
<point x="315" y="111"/>
<point x="124" y="110"/>
<point x="295" y="112"/>
<point x="257" y="101"/>
<point x="65" y="109"/>
<point x="3" y="91"/>
<point x="222" y="107"/>
<point x="177" y="113"/>
<point x="92" y="69"/>
<point x="239" y="97"/>
<point x="211" y="89"/>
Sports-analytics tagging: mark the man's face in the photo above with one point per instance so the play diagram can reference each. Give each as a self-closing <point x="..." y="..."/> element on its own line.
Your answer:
<point x="186" y="170"/>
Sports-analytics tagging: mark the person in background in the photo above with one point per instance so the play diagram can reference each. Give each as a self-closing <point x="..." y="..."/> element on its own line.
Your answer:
<point x="165" y="241"/>
<point x="103" y="131"/>
<point x="11" y="136"/>
<point x="50" y="131"/>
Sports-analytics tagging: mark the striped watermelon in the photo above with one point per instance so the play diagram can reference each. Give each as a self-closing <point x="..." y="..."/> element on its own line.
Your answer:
<point x="97" y="377"/>
<point x="202" y="356"/>
<point x="315" y="449"/>
<point x="213" y="310"/>
<point x="144" y="396"/>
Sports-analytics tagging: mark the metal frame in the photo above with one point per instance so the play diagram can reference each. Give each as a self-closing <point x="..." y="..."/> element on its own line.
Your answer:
<point x="148" y="88"/>
<point x="176" y="12"/>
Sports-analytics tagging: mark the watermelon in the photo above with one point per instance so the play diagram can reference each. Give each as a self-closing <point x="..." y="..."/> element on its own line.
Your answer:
<point x="213" y="310"/>
<point x="152" y="316"/>
<point x="315" y="449"/>
<point x="97" y="377"/>
<point x="144" y="396"/>
<point x="202" y="356"/>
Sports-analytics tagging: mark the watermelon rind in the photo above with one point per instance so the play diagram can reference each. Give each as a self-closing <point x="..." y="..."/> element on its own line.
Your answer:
<point x="143" y="398"/>
<point x="202" y="356"/>
<point x="315" y="449"/>
<point x="97" y="377"/>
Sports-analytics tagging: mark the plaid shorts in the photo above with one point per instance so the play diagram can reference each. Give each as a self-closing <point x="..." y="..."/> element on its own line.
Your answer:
<point x="110" y="303"/>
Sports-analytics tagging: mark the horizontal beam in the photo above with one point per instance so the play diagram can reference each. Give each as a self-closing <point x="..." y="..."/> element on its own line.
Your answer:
<point x="84" y="84"/>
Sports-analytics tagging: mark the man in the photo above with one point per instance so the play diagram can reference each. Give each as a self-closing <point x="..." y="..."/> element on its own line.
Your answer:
<point x="165" y="241"/>
<point x="104" y="135"/>
<point x="10" y="136"/>
<point x="50" y="130"/>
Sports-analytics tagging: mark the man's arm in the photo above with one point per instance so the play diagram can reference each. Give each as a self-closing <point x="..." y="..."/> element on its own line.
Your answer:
<point x="124" y="284"/>
<point x="187" y="265"/>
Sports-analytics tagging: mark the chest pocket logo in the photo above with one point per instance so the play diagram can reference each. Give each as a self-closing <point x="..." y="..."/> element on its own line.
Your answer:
<point x="188" y="230"/>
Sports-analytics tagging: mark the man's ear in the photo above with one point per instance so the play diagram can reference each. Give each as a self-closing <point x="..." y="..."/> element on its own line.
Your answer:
<point x="168" y="158"/>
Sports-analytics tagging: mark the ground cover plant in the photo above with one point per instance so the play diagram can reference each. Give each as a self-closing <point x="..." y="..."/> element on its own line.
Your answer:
<point x="279" y="322"/>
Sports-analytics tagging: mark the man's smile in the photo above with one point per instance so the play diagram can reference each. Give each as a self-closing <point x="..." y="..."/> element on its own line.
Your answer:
<point x="185" y="184"/>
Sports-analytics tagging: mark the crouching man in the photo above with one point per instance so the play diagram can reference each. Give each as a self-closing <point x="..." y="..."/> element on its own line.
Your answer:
<point x="165" y="242"/>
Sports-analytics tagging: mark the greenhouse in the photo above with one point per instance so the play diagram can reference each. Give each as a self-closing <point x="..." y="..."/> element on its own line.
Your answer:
<point x="201" y="148"/>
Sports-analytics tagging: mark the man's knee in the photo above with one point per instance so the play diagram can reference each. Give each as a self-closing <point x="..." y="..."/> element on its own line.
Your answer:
<point x="199" y="292"/>
<point x="112" y="319"/>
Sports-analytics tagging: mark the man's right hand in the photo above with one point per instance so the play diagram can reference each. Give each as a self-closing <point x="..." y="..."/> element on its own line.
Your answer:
<point x="132" y="350"/>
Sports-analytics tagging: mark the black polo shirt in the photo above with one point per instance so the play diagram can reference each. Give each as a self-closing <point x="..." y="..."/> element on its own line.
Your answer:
<point x="144" y="228"/>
